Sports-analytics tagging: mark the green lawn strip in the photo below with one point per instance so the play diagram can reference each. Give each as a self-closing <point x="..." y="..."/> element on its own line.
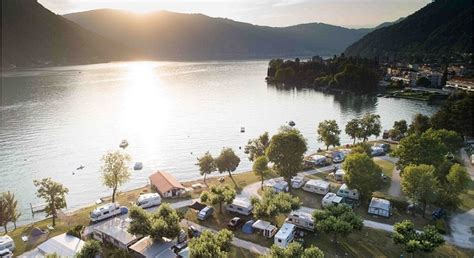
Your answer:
<point x="467" y="198"/>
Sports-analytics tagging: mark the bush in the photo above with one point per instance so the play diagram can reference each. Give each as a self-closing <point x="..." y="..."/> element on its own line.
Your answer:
<point x="75" y="231"/>
<point x="441" y="226"/>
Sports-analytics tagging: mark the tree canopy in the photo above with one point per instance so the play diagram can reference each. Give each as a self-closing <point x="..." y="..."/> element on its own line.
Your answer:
<point x="91" y="249"/>
<point x="295" y="249"/>
<point x="219" y="194"/>
<point x="260" y="168"/>
<point x="228" y="162"/>
<point x="115" y="171"/>
<point x="370" y="125"/>
<point x="420" y="124"/>
<point x="210" y="244"/>
<point x="329" y="132"/>
<point x="206" y="164"/>
<point x="362" y="174"/>
<point x="353" y="129"/>
<point x="456" y="114"/>
<point x="162" y="223"/>
<point x="427" y="241"/>
<point x="454" y="184"/>
<point x="419" y="183"/>
<point x="9" y="207"/>
<point x="339" y="219"/>
<point x="272" y="204"/>
<point x="54" y="194"/>
<point x="257" y="147"/>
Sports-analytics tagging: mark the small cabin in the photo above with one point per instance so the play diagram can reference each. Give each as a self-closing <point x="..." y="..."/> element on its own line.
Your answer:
<point x="240" y="205"/>
<point x="380" y="207"/>
<point x="285" y="235"/>
<point x="317" y="186"/>
<point x="166" y="185"/>
<point x="345" y="191"/>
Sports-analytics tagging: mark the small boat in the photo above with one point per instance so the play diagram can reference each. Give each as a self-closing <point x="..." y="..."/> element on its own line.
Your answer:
<point x="123" y="144"/>
<point x="242" y="129"/>
<point x="291" y="123"/>
<point x="80" y="167"/>
<point x="138" y="166"/>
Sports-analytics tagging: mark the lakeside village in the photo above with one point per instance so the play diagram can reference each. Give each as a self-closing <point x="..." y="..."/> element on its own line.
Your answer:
<point x="409" y="193"/>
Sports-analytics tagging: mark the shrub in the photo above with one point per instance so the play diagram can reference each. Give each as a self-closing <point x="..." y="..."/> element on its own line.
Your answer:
<point x="75" y="231"/>
<point x="441" y="226"/>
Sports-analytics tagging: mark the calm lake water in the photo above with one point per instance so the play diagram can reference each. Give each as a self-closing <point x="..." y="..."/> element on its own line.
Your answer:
<point x="52" y="120"/>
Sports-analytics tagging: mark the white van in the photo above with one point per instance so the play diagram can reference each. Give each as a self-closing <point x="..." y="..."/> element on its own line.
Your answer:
<point x="301" y="219"/>
<point x="149" y="200"/>
<point x="285" y="235"/>
<point x="240" y="205"/>
<point x="6" y="242"/>
<point x="105" y="211"/>
<point x="344" y="191"/>
<point x="205" y="213"/>
<point x="317" y="186"/>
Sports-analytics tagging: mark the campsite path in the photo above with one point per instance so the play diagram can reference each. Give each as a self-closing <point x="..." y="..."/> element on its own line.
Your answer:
<point x="395" y="187"/>
<point x="467" y="163"/>
<point x="254" y="248"/>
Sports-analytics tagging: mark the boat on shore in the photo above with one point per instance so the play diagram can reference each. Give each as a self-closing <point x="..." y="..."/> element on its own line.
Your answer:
<point x="123" y="144"/>
<point x="138" y="166"/>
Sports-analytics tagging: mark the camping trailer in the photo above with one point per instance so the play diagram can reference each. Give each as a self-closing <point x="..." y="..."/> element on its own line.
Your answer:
<point x="344" y="191"/>
<point x="339" y="175"/>
<point x="285" y="235"/>
<point x="317" y="186"/>
<point x="240" y="205"/>
<point x="317" y="160"/>
<point x="301" y="219"/>
<point x="277" y="184"/>
<point x="331" y="199"/>
<point x="297" y="182"/>
<point x="6" y="242"/>
<point x="380" y="207"/>
<point x="268" y="230"/>
<point x="105" y="211"/>
<point x="149" y="200"/>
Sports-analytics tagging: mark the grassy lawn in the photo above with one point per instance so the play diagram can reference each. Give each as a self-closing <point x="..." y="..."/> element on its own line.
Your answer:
<point x="468" y="198"/>
<point x="239" y="252"/>
<point x="387" y="166"/>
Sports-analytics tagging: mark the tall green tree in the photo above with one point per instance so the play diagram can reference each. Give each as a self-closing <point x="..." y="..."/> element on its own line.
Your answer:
<point x="272" y="204"/>
<point x="217" y="195"/>
<point x="91" y="249"/>
<point x="427" y="241"/>
<point x="256" y="147"/>
<point x="260" y="168"/>
<point x="3" y="214"/>
<point x="456" y="114"/>
<point x="353" y="129"/>
<point x="418" y="149"/>
<point x="362" y="174"/>
<point x="419" y="183"/>
<point x="141" y="221"/>
<point x="115" y="171"/>
<point x="295" y="249"/>
<point x="228" y="162"/>
<point x="450" y="139"/>
<point x="210" y="244"/>
<point x="286" y="151"/>
<point x="420" y="124"/>
<point x="456" y="182"/>
<point x="401" y="126"/>
<point x="329" y="132"/>
<point x="338" y="220"/>
<point x="206" y="165"/>
<point x="54" y="194"/>
<point x="370" y="125"/>
<point x="11" y="207"/>
<point x="163" y="223"/>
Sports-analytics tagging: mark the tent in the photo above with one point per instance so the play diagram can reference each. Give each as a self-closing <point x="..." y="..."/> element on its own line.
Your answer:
<point x="247" y="228"/>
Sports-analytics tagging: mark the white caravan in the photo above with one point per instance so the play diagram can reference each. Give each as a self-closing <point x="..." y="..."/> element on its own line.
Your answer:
<point x="331" y="199"/>
<point x="344" y="191"/>
<point x="317" y="186"/>
<point x="285" y="235"/>
<point x="105" y="211"/>
<point x="240" y="205"/>
<point x="301" y="219"/>
<point x="149" y="200"/>
<point x="6" y="242"/>
<point x="268" y="230"/>
<point x="297" y="182"/>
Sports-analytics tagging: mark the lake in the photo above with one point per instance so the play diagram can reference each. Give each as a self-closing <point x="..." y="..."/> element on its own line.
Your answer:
<point x="52" y="120"/>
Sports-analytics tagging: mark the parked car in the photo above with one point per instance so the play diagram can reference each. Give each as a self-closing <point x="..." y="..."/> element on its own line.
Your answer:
<point x="205" y="213"/>
<point x="193" y="232"/>
<point x="235" y="223"/>
<point x="439" y="213"/>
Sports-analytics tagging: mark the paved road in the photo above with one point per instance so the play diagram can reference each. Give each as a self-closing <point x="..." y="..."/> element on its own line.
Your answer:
<point x="467" y="163"/>
<point x="395" y="187"/>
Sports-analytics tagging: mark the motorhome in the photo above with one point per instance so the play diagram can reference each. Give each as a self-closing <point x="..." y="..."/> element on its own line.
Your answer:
<point x="268" y="230"/>
<point x="6" y="242"/>
<point x="301" y="219"/>
<point x="344" y="191"/>
<point x="297" y="182"/>
<point x="240" y="205"/>
<point x="317" y="186"/>
<point x="149" y="200"/>
<point x="285" y="235"/>
<point x="205" y="213"/>
<point x="331" y="199"/>
<point x="105" y="211"/>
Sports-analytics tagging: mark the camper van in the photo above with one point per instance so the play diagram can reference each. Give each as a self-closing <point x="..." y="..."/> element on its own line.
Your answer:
<point x="301" y="219"/>
<point x="241" y="206"/>
<point x="6" y="242"/>
<point x="317" y="186"/>
<point x="105" y="211"/>
<point x="268" y="230"/>
<point x="205" y="213"/>
<point x="285" y="235"/>
<point x="149" y="200"/>
<point x="344" y="191"/>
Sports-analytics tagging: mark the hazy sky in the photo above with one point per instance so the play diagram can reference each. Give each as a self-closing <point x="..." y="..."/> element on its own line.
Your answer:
<point x="348" y="13"/>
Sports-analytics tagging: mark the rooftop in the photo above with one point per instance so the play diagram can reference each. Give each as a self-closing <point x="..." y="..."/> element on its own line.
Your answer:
<point x="285" y="230"/>
<point x="63" y="245"/>
<point x="379" y="203"/>
<point x="151" y="248"/>
<point x="164" y="181"/>
<point x="118" y="229"/>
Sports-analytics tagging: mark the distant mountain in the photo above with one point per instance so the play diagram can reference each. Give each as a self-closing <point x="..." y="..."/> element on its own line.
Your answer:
<point x="386" y="24"/>
<point x="168" y="35"/>
<point x="32" y="35"/>
<point x="443" y="27"/>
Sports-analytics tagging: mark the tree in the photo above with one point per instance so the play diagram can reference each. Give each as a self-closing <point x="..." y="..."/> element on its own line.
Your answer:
<point x="362" y="147"/>
<point x="420" y="149"/>
<point x="286" y="151"/>
<point x="419" y="183"/>
<point x="451" y="139"/>
<point x="339" y="219"/>
<point x="456" y="114"/>
<point x="3" y="214"/>
<point x="227" y="162"/>
<point x="362" y="174"/>
<point x="210" y="244"/>
<point x="219" y="195"/>
<point x="295" y="249"/>
<point x="272" y="204"/>
<point x="54" y="194"/>
<point x="11" y="207"/>
<point x="256" y="147"/>
<point x="260" y="167"/>
<point x="119" y="253"/>
<point x="420" y="124"/>
<point x="163" y="223"/>
<point x="370" y="125"/>
<point x="455" y="183"/>
<point x="90" y="249"/>
<point x="401" y="126"/>
<point x="406" y="235"/>
<point x="353" y="129"/>
<point x="206" y="164"/>
<point x="115" y="170"/>
<point x="423" y="82"/>
<point x="329" y="132"/>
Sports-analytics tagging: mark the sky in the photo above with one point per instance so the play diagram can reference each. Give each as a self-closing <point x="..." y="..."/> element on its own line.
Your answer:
<point x="279" y="13"/>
